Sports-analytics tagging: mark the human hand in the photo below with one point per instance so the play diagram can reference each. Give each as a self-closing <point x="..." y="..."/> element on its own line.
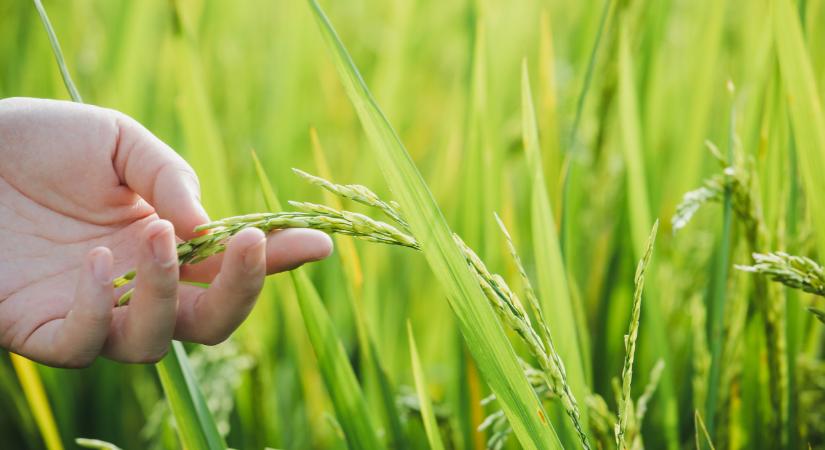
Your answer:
<point x="86" y="193"/>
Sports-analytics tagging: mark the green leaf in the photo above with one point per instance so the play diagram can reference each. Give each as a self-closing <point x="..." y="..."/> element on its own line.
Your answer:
<point x="805" y="107"/>
<point x="640" y="218"/>
<point x="348" y="400"/>
<point x="195" y="424"/>
<point x="483" y="333"/>
<point x="557" y="302"/>
<point x="430" y="425"/>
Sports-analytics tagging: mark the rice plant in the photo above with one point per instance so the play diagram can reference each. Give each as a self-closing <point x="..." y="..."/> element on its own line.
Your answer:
<point x="427" y="126"/>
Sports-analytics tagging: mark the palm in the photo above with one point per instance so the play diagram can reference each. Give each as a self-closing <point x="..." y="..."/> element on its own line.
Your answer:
<point x="43" y="250"/>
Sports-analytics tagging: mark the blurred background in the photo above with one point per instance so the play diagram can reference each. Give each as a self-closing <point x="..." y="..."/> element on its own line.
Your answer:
<point x="218" y="79"/>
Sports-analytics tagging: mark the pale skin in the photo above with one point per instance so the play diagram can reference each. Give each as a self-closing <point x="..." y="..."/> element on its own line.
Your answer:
<point x="87" y="193"/>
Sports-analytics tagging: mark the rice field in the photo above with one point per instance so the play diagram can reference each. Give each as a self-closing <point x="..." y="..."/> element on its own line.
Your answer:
<point x="589" y="224"/>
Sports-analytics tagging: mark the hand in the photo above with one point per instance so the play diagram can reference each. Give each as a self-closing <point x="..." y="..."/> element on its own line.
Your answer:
<point x="84" y="192"/>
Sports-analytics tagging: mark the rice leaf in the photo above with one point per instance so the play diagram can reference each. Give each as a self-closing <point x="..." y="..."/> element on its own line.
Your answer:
<point x="640" y="217"/>
<point x="351" y="409"/>
<point x="38" y="401"/>
<point x="557" y="303"/>
<point x="483" y="333"/>
<point x="195" y="424"/>
<point x="805" y="106"/>
<point x="351" y="265"/>
<point x="430" y="425"/>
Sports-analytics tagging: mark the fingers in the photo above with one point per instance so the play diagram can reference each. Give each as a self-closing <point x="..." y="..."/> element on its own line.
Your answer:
<point x="209" y="316"/>
<point x="289" y="249"/>
<point x="142" y="331"/>
<point x="285" y="250"/>
<point x="76" y="340"/>
<point x="155" y="172"/>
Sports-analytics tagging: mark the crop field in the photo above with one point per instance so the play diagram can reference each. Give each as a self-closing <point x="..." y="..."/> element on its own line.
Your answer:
<point x="588" y="224"/>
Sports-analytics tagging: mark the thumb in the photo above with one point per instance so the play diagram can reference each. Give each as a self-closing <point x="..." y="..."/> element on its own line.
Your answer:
<point x="160" y="176"/>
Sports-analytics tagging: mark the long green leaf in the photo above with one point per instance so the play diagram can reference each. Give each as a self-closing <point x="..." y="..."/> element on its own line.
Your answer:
<point x="38" y="401"/>
<point x="484" y="334"/>
<point x="351" y="264"/>
<point x="430" y="425"/>
<point x="557" y="302"/>
<point x="805" y="107"/>
<point x="640" y="219"/>
<point x="343" y="388"/>
<point x="196" y="426"/>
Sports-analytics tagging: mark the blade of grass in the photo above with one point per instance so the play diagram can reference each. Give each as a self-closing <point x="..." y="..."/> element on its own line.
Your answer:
<point x="699" y="425"/>
<point x="568" y="166"/>
<point x="198" y="122"/>
<point x="484" y="334"/>
<point x="58" y="54"/>
<point x="350" y="406"/>
<point x="557" y="302"/>
<point x="38" y="400"/>
<point x="640" y="219"/>
<point x="430" y="425"/>
<point x="195" y="424"/>
<point x="351" y="265"/>
<point x="719" y="293"/>
<point x="805" y="108"/>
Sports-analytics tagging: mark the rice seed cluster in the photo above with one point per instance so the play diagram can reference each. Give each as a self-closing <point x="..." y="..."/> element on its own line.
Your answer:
<point x="736" y="179"/>
<point x="630" y="341"/>
<point x="797" y="272"/>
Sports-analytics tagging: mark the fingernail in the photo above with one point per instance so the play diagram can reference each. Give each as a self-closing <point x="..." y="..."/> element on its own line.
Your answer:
<point x="102" y="267"/>
<point x="163" y="247"/>
<point x="254" y="256"/>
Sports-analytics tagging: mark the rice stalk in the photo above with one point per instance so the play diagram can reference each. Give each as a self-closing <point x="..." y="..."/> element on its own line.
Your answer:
<point x="604" y="422"/>
<point x="555" y="364"/>
<point x="699" y="425"/>
<point x="318" y="217"/>
<point x="736" y="188"/>
<point x="630" y="340"/>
